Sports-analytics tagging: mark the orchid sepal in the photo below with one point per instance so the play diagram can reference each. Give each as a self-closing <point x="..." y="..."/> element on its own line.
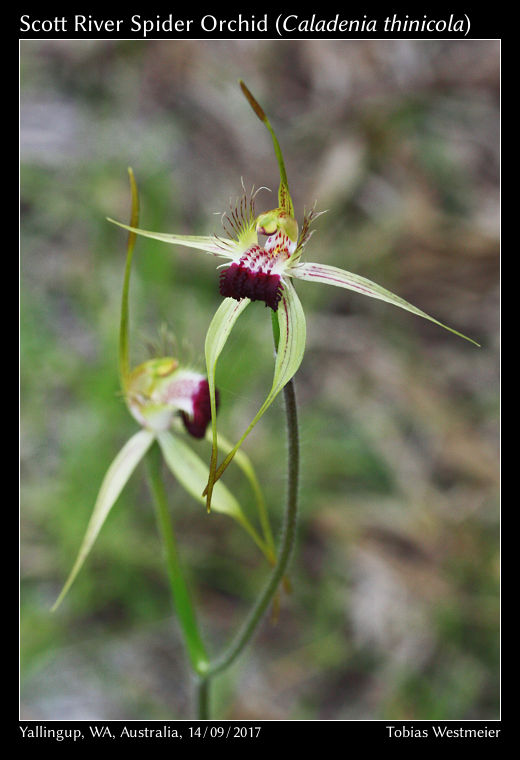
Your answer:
<point x="206" y="243"/>
<point x="244" y="463"/>
<point x="284" y="197"/>
<point x="113" y="483"/>
<point x="323" y="273"/>
<point x="289" y="355"/>
<point x="216" y="337"/>
<point x="124" y="353"/>
<point x="192" y="473"/>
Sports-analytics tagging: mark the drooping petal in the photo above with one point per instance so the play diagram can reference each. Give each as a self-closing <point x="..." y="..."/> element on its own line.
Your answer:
<point x="209" y="244"/>
<point x="244" y="463"/>
<point x="114" y="481"/>
<point x="192" y="473"/>
<point x="291" y="347"/>
<point x="216" y="337"/>
<point x="342" y="279"/>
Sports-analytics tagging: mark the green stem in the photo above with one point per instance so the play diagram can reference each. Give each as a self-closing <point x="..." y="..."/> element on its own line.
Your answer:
<point x="181" y="597"/>
<point x="289" y="533"/>
<point x="203" y="689"/>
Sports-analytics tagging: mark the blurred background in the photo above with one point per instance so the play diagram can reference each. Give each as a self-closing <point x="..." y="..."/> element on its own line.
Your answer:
<point x="394" y="609"/>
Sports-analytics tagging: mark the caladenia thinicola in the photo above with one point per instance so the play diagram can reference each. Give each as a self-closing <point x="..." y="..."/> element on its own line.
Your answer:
<point x="171" y="403"/>
<point x="263" y="256"/>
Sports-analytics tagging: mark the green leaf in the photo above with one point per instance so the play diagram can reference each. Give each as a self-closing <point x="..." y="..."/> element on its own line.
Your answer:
<point x="291" y="347"/>
<point x="114" y="481"/>
<point x="201" y="242"/>
<point x="342" y="279"/>
<point x="192" y="473"/>
<point x="216" y="337"/>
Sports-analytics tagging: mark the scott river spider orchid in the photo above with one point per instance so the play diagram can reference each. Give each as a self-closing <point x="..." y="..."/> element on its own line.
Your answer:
<point x="256" y="271"/>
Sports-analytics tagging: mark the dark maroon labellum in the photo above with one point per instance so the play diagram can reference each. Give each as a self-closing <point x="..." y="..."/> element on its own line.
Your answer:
<point x="238" y="281"/>
<point x="197" y="424"/>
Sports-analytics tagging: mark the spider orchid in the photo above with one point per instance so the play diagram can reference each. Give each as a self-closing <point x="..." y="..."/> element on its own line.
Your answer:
<point x="258" y="271"/>
<point x="161" y="394"/>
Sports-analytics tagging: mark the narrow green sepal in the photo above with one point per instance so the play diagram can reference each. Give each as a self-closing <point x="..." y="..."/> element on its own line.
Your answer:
<point x="284" y="197"/>
<point x="244" y="463"/>
<point x="124" y="359"/>
<point x="340" y="278"/>
<point x="291" y="347"/>
<point x="114" y="481"/>
<point x="192" y="474"/>
<point x="216" y="337"/>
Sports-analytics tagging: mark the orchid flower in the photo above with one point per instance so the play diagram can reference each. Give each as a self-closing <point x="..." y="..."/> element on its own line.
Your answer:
<point x="256" y="271"/>
<point x="161" y="394"/>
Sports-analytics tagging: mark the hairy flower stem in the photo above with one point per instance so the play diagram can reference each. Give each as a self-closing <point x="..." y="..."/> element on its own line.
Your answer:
<point x="267" y="595"/>
<point x="288" y="537"/>
<point x="204" y="669"/>
<point x="203" y="690"/>
<point x="181" y="597"/>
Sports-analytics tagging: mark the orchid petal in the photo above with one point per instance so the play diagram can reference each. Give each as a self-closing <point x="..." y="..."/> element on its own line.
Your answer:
<point x="216" y="337"/>
<point x="192" y="474"/>
<point x="114" y="481"/>
<point x="291" y="347"/>
<point x="342" y="279"/>
<point x="245" y="464"/>
<point x="202" y="243"/>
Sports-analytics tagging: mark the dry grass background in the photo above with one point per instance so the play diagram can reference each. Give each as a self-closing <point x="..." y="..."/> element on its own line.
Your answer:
<point x="394" y="612"/>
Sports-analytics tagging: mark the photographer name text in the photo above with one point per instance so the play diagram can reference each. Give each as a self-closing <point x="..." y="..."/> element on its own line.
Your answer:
<point x="442" y="732"/>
